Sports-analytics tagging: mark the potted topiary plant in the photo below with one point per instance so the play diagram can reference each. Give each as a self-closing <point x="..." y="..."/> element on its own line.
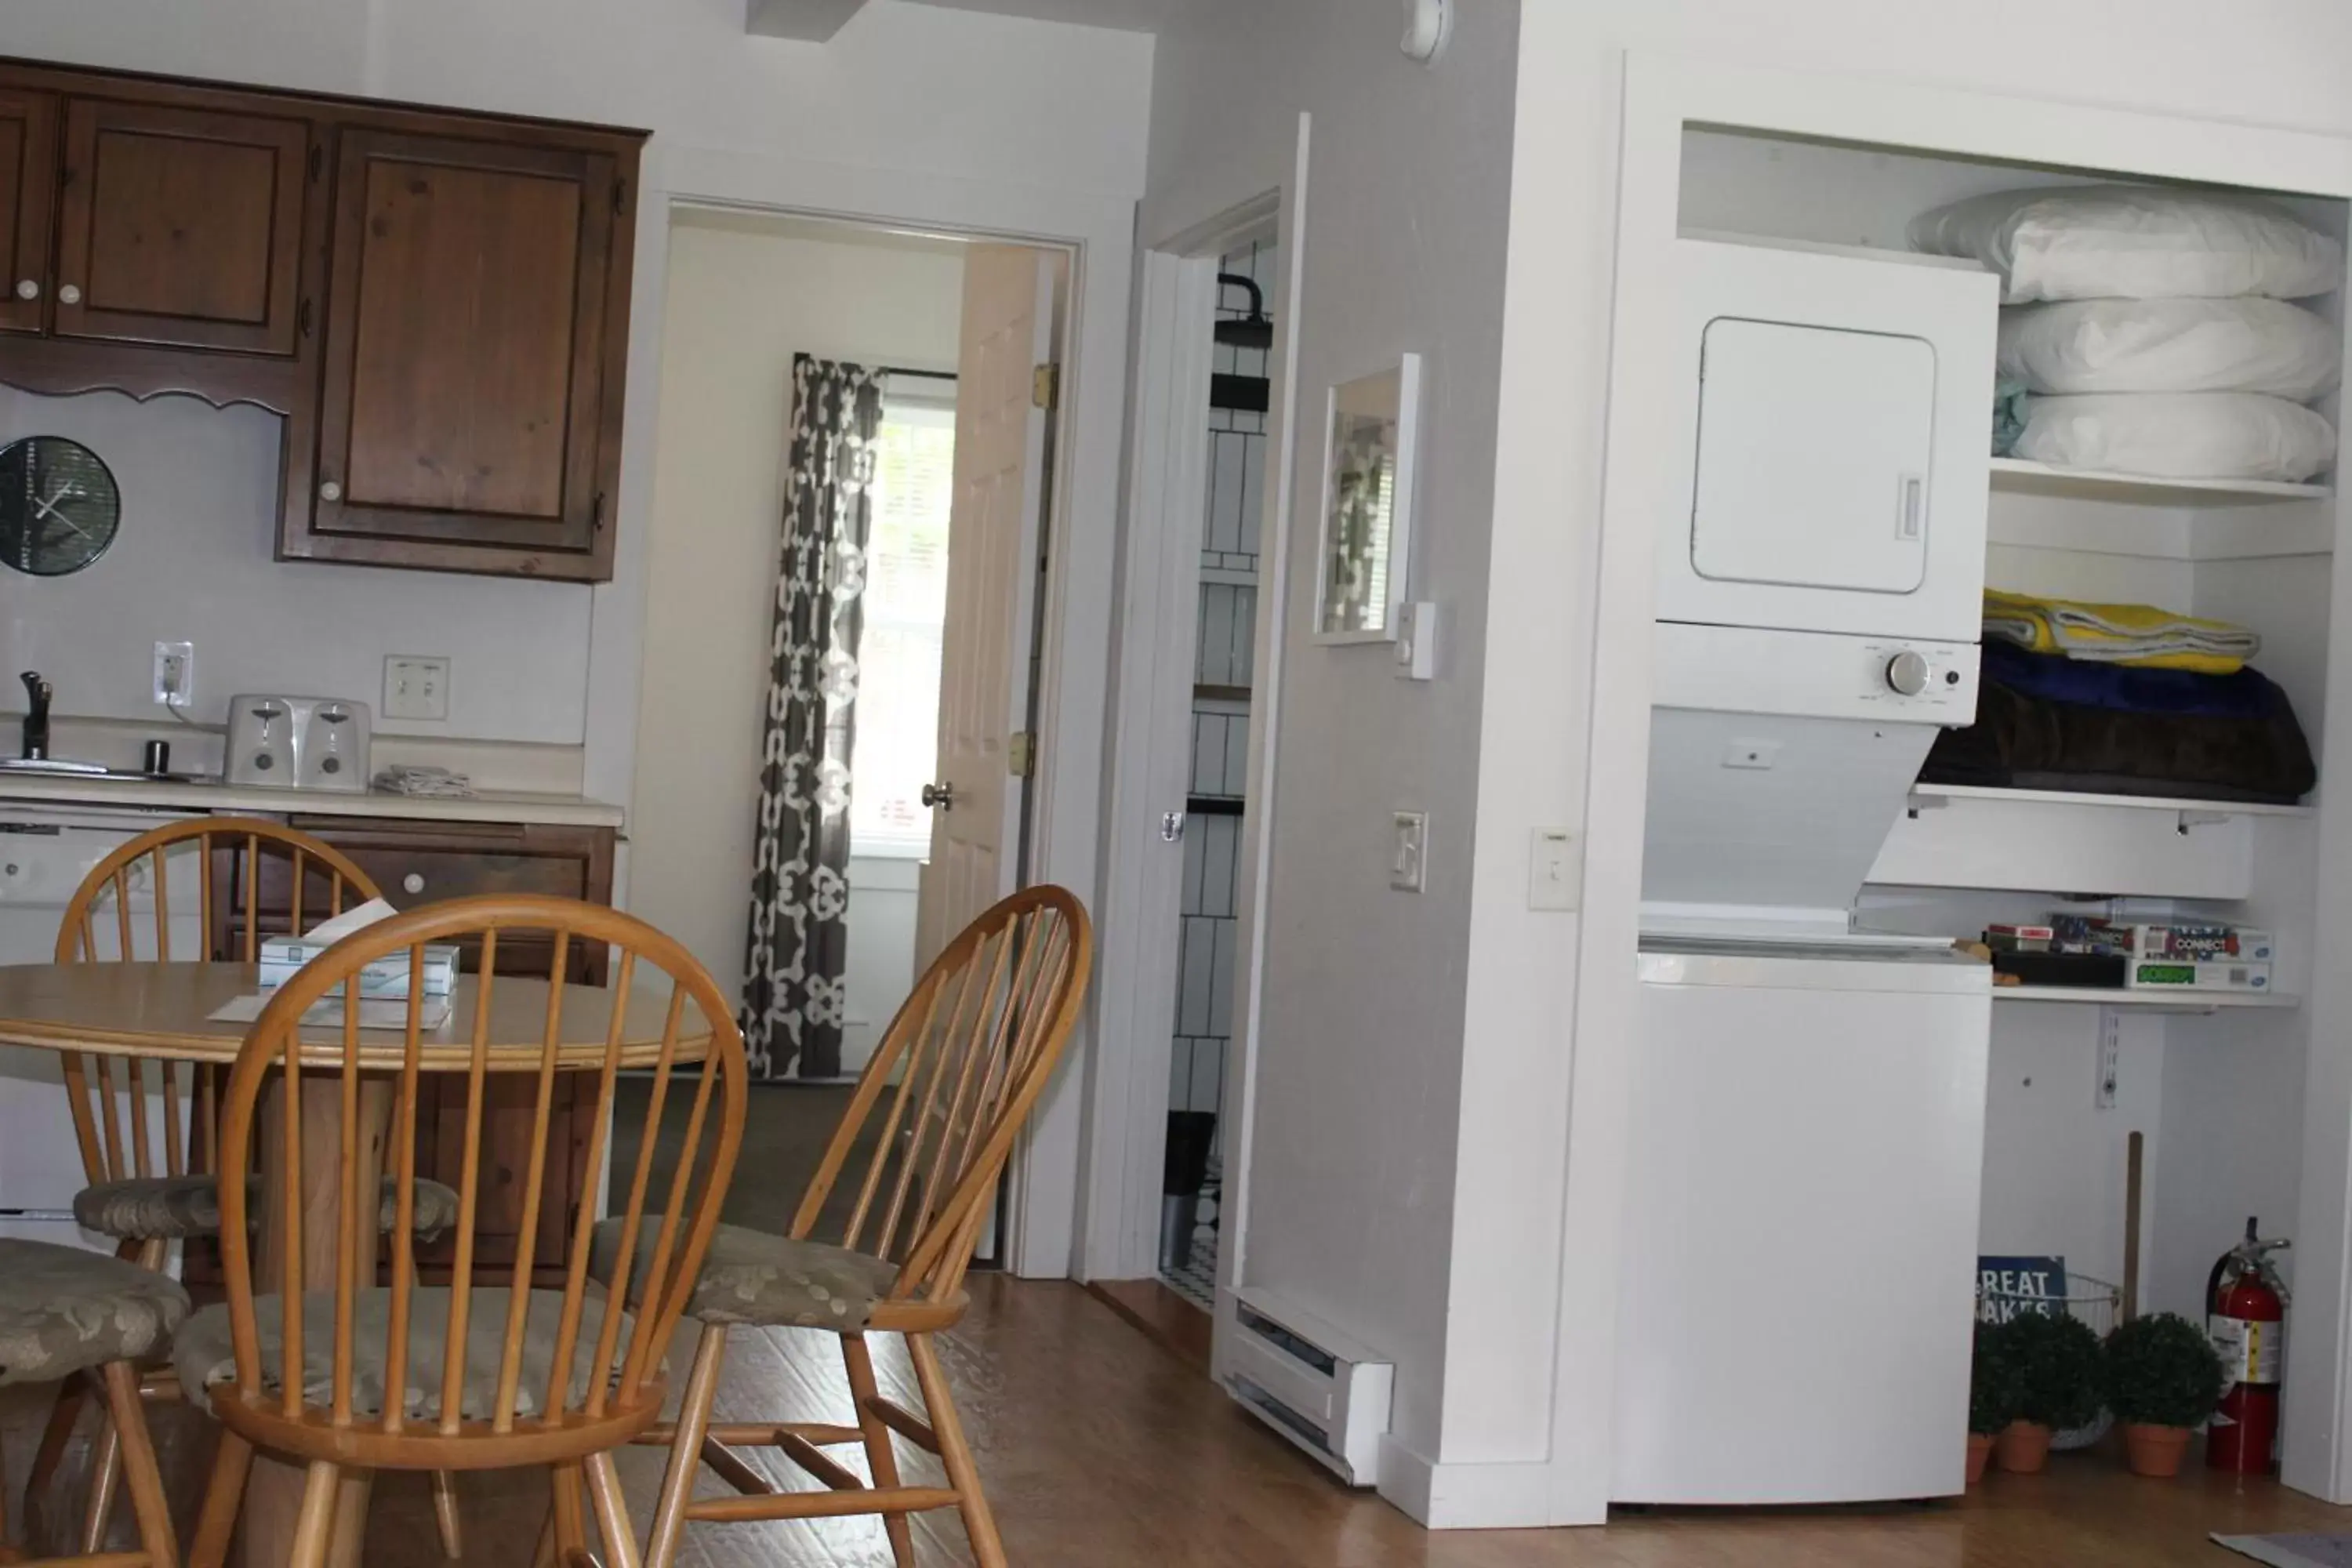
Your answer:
<point x="2163" y="1377"/>
<point x="2059" y="1370"/>
<point x="1993" y="1390"/>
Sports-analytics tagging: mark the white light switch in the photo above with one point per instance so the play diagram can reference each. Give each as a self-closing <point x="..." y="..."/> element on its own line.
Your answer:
<point x="1555" y="869"/>
<point x="416" y="686"/>
<point x="1409" y="851"/>
<point x="1416" y="643"/>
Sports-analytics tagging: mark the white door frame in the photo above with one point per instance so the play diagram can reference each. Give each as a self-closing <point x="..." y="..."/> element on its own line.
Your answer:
<point x="1065" y="796"/>
<point x="1143" y="873"/>
<point x="1662" y="95"/>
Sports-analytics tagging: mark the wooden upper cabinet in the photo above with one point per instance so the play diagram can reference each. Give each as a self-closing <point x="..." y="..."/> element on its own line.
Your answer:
<point x="180" y="226"/>
<point x="470" y="415"/>
<point x="28" y="173"/>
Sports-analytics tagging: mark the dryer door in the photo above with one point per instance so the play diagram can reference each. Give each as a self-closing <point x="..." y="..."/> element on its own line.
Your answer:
<point x="1814" y="451"/>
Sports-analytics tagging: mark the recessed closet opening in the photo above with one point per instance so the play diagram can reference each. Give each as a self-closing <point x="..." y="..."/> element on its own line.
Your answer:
<point x="2209" y="1084"/>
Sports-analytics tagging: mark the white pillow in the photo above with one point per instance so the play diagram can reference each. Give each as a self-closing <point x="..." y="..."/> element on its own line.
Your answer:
<point x="2134" y="242"/>
<point x="2179" y="434"/>
<point x="2171" y="345"/>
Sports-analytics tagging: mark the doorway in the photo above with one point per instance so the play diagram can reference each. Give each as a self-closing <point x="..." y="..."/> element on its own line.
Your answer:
<point x="839" y="500"/>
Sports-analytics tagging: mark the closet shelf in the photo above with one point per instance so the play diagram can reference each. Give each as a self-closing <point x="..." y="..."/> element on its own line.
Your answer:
<point x="2147" y="1001"/>
<point x="2091" y="484"/>
<point x="1920" y="791"/>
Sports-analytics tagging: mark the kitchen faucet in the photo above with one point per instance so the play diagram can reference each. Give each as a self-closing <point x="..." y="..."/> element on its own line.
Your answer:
<point x="36" y="718"/>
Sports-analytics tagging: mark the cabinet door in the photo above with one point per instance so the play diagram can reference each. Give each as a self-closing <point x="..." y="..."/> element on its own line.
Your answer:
<point x="463" y="423"/>
<point x="28" y="173"/>
<point x="181" y="226"/>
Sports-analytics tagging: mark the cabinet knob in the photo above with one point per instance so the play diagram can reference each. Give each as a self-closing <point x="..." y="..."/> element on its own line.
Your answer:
<point x="29" y="287"/>
<point x="330" y="491"/>
<point x="67" y="295"/>
<point x="412" y="883"/>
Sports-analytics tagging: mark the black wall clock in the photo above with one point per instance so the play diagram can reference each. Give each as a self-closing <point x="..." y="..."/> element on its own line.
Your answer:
<point x="58" y="506"/>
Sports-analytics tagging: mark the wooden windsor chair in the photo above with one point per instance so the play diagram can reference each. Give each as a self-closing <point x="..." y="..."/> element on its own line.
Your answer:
<point x="148" y="1128"/>
<point x="489" y="1375"/>
<point x="952" y="1082"/>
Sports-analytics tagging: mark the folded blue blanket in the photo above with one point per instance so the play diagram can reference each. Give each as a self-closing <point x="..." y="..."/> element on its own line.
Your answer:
<point x="2122" y="688"/>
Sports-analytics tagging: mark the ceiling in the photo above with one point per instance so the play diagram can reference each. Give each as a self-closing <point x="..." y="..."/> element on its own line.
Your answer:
<point x="1135" y="15"/>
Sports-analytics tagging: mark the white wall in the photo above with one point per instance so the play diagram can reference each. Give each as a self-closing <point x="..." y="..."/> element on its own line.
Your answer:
<point x="1009" y="109"/>
<point x="1352" y="1194"/>
<point x="745" y="295"/>
<point x="192" y="562"/>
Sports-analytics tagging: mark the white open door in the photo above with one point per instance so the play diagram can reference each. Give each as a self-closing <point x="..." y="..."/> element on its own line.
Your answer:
<point x="992" y="532"/>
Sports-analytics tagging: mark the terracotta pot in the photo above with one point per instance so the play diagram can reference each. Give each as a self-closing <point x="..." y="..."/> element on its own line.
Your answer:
<point x="2024" y="1447"/>
<point x="1980" y="1450"/>
<point x="2154" y="1450"/>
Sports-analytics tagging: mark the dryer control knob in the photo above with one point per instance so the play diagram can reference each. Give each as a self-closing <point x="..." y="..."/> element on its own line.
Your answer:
<point x="1906" y="673"/>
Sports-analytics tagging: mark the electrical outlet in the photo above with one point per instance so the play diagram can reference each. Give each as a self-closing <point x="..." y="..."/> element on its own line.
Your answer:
<point x="176" y="673"/>
<point x="416" y="686"/>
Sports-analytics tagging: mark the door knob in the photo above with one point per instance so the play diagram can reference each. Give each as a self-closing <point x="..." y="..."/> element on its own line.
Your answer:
<point x="941" y="795"/>
<point x="68" y="295"/>
<point x="29" y="287"/>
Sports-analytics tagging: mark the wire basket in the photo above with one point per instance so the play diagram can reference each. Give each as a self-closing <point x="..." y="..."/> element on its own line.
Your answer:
<point x="2096" y="1303"/>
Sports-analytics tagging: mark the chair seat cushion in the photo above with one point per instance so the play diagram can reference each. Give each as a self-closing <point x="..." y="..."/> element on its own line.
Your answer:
<point x="63" y="1309"/>
<point x="750" y="1276"/>
<point x="168" y="1209"/>
<point x="204" y="1354"/>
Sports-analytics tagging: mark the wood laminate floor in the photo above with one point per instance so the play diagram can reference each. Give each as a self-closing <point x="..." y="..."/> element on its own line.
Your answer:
<point x="1100" y="1447"/>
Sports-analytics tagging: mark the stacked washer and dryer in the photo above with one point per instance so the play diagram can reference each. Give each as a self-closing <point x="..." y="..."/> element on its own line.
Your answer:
<point x="1808" y="1102"/>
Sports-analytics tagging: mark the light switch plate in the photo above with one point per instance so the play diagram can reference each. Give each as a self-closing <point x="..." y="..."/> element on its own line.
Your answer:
<point x="1555" y="869"/>
<point x="1409" y="851"/>
<point x="1416" y="643"/>
<point x="416" y="686"/>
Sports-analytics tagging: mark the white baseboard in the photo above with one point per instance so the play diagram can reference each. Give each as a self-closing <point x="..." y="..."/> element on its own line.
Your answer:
<point x="1511" y="1494"/>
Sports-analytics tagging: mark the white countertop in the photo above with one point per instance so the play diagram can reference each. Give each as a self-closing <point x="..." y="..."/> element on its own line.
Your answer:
<point x="491" y="806"/>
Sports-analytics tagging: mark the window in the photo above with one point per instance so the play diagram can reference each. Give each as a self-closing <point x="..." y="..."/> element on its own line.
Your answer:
<point x="898" y="651"/>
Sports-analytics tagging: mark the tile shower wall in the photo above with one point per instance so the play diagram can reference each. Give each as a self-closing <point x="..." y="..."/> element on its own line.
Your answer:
<point x="1225" y="649"/>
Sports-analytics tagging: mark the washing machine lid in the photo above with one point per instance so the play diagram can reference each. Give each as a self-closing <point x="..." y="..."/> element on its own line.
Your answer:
<point x="1815" y="446"/>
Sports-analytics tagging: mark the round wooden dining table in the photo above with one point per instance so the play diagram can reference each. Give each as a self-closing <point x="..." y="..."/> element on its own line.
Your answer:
<point x="165" y="1011"/>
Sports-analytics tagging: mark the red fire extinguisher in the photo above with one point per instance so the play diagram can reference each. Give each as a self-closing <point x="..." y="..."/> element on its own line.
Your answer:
<point x="2245" y="1315"/>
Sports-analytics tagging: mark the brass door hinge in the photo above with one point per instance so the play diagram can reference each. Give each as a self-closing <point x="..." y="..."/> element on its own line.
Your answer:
<point x="1046" y="386"/>
<point x="1021" y="754"/>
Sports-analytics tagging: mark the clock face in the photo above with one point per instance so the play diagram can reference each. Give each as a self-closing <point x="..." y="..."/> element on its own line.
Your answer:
<point x="58" y="506"/>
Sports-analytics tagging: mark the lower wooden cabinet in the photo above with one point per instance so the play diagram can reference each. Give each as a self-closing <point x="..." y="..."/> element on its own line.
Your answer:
<point x="427" y="862"/>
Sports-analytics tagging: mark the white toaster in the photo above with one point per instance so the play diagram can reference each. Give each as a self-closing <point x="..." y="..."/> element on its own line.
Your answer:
<point x="298" y="742"/>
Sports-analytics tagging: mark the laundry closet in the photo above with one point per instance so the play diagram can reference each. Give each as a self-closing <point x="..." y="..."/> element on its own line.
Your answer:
<point x="2209" y="1083"/>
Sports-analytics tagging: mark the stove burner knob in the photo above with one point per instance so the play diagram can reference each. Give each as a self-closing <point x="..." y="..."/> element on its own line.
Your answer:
<point x="1906" y="673"/>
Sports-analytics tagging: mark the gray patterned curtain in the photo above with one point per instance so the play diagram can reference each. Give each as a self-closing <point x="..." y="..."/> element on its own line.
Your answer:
<point x="794" y="989"/>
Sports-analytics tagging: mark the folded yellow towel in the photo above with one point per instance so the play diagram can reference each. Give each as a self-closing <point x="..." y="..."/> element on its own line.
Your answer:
<point x="2138" y="635"/>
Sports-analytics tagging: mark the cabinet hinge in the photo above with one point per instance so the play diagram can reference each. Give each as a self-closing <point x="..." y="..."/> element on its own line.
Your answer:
<point x="302" y="319"/>
<point x="1046" y="386"/>
<point x="1021" y="754"/>
<point x="317" y="160"/>
<point x="596" y="512"/>
<point x="620" y="195"/>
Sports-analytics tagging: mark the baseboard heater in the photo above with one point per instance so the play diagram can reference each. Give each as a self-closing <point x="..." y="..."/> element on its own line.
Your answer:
<point x="1310" y="1382"/>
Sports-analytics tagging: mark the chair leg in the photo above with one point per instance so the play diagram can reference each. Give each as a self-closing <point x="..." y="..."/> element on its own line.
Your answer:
<point x="143" y="1476"/>
<point x="314" y="1526"/>
<point x="685" y="1448"/>
<point x="105" y="1472"/>
<point x="879" y="1454"/>
<point x="64" y="1413"/>
<point x="955" y="1452"/>
<point x="570" y="1521"/>
<point x="445" y="1514"/>
<point x="223" y="1497"/>
<point x="612" y="1513"/>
